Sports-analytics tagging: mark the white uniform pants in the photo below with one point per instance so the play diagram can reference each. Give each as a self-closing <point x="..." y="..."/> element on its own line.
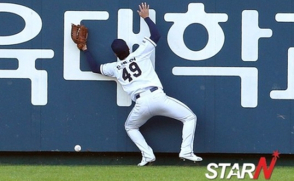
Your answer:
<point x="157" y="103"/>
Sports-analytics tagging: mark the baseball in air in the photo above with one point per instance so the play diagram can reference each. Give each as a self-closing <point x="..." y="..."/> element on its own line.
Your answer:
<point x="78" y="148"/>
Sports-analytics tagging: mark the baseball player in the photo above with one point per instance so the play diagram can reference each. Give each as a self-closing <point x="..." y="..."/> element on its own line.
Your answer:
<point x="134" y="71"/>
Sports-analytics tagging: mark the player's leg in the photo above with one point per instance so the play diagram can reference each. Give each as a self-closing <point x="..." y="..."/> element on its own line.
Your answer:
<point x="177" y="110"/>
<point x="170" y="107"/>
<point x="137" y="117"/>
<point x="189" y="120"/>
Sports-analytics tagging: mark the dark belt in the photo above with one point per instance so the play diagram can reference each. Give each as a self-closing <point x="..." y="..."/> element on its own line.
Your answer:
<point x="151" y="90"/>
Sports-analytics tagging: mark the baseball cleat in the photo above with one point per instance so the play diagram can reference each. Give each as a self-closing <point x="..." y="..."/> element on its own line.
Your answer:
<point x="191" y="157"/>
<point x="146" y="163"/>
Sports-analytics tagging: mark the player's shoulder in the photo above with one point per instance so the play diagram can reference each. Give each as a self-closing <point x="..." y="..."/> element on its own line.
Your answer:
<point x="109" y="66"/>
<point x="145" y="47"/>
<point x="147" y="40"/>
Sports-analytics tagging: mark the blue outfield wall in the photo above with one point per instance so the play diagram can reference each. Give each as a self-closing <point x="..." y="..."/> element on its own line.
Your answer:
<point x="230" y="61"/>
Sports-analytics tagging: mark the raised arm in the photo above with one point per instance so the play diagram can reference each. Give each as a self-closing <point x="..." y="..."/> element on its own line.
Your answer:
<point x="144" y="13"/>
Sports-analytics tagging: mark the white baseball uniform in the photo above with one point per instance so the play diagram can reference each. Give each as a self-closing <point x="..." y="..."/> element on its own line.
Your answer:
<point x="138" y="78"/>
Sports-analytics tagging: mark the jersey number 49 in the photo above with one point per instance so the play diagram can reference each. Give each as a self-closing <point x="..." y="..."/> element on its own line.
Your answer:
<point x="134" y="71"/>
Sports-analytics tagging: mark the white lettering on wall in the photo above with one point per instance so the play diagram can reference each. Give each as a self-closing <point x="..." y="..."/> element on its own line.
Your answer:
<point x="26" y="57"/>
<point x="251" y="33"/>
<point x="195" y="14"/>
<point x="248" y="75"/>
<point x="33" y="24"/>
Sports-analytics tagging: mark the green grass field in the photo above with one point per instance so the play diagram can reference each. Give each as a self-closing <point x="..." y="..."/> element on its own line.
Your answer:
<point x="113" y="173"/>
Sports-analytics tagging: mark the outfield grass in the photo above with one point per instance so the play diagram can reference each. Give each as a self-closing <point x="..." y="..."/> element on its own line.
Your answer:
<point x="113" y="173"/>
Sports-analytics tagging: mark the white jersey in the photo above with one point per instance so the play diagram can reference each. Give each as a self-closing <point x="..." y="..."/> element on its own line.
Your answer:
<point x="135" y="73"/>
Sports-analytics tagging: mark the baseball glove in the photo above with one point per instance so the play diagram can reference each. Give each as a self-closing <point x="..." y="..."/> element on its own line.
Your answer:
<point x="79" y="34"/>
